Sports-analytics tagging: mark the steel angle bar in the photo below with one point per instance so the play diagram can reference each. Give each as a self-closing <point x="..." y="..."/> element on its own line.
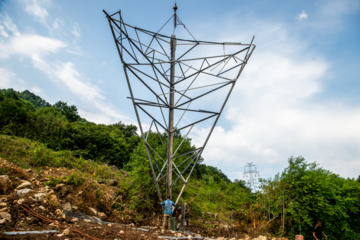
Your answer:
<point x="152" y="117"/>
<point x="182" y="115"/>
<point x="202" y="95"/>
<point x="163" y="116"/>
<point x="163" y="49"/>
<point x="188" y="152"/>
<point x="202" y="71"/>
<point x="145" y="101"/>
<point x="153" y="172"/>
<point x="148" y="133"/>
<point x="148" y="47"/>
<point x="182" y="141"/>
<point x="134" y="45"/>
<point x="187" y="52"/>
<point x="186" y="40"/>
<point x="156" y="164"/>
<point x="137" y="35"/>
<point x="154" y="79"/>
<point x="230" y="69"/>
<point x="141" y="80"/>
<point x="186" y="168"/>
<point x="204" y="86"/>
<point x="187" y="179"/>
<point x="136" y="112"/>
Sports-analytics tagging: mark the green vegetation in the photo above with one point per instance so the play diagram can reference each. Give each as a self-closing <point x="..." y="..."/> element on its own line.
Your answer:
<point x="34" y="134"/>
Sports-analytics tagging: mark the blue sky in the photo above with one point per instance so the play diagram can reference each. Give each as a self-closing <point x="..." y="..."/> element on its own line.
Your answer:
<point x="299" y="95"/>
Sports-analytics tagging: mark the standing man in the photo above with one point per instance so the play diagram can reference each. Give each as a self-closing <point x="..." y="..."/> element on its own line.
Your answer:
<point x="167" y="211"/>
<point x="318" y="231"/>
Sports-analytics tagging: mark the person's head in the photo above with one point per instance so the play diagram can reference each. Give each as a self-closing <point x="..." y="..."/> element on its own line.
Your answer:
<point x="318" y="223"/>
<point x="169" y="197"/>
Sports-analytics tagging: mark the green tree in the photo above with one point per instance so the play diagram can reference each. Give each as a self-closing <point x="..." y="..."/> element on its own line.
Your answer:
<point x="70" y="112"/>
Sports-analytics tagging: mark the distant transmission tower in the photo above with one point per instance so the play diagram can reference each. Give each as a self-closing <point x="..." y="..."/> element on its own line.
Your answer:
<point x="252" y="175"/>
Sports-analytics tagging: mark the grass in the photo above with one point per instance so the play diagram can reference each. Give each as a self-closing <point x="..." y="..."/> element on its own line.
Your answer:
<point x="31" y="154"/>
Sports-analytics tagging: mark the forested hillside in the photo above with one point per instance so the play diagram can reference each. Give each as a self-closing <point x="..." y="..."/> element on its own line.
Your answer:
<point x="286" y="205"/>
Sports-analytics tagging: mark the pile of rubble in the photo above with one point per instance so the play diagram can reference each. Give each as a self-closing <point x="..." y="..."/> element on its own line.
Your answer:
<point x="31" y="209"/>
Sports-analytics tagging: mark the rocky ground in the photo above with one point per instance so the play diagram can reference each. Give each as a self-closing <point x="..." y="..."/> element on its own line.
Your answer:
<point x="28" y="204"/>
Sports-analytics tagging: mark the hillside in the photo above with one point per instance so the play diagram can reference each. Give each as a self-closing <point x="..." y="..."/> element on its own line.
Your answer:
<point x="105" y="167"/>
<point x="55" y="191"/>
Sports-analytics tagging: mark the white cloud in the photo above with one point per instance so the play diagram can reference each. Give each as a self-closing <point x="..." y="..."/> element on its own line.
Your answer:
<point x="273" y="112"/>
<point x="28" y="45"/>
<point x="7" y="27"/>
<point x="302" y="15"/>
<point x="76" y="31"/>
<point x="6" y="78"/>
<point x="36" y="9"/>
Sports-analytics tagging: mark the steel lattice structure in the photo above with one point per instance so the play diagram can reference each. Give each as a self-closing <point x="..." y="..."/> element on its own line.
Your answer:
<point x="177" y="86"/>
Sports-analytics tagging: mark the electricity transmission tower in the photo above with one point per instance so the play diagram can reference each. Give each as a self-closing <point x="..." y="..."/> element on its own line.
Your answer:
<point x="178" y="88"/>
<point x="251" y="174"/>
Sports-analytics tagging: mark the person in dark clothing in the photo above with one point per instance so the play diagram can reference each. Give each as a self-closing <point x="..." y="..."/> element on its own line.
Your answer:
<point x="318" y="231"/>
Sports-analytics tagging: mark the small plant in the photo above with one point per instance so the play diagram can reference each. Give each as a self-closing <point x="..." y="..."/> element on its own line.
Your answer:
<point x="75" y="179"/>
<point x="53" y="182"/>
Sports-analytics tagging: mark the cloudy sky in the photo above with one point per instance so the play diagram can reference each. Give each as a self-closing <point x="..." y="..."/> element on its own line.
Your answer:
<point x="298" y="96"/>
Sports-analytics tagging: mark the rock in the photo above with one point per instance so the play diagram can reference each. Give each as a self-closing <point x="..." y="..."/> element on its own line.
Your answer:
<point x="75" y="208"/>
<point x="114" y="168"/>
<point x="6" y="216"/>
<point x="5" y="209"/>
<point x="24" y="184"/>
<point x="74" y="220"/>
<point x="2" y="221"/>
<point x="61" y="189"/>
<point x="87" y="220"/>
<point x="40" y="196"/>
<point x="3" y="204"/>
<point x="262" y="237"/>
<point x="67" y="207"/>
<point x="92" y="211"/>
<point x="2" y="200"/>
<point x="5" y="184"/>
<point x="42" y="208"/>
<point x="23" y="192"/>
<point x="102" y="215"/>
<point x="100" y="181"/>
<point x="58" y="212"/>
<point x="20" y="201"/>
<point x="121" y="232"/>
<point x="53" y="198"/>
<point x="114" y="182"/>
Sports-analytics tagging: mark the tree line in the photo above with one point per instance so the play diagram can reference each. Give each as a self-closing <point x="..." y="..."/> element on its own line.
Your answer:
<point x="286" y="205"/>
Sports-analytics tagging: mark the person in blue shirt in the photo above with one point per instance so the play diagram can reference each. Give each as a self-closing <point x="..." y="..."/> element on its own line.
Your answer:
<point x="167" y="211"/>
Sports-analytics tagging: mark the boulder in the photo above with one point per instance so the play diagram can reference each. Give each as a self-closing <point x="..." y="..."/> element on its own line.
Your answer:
<point x="5" y="209"/>
<point x="102" y="215"/>
<point x="67" y="207"/>
<point x="5" y="184"/>
<point x="53" y="198"/>
<point x="6" y="216"/>
<point x="58" y="212"/>
<point x="23" y="185"/>
<point x="23" y="192"/>
<point x="92" y="211"/>
<point x="40" y="196"/>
